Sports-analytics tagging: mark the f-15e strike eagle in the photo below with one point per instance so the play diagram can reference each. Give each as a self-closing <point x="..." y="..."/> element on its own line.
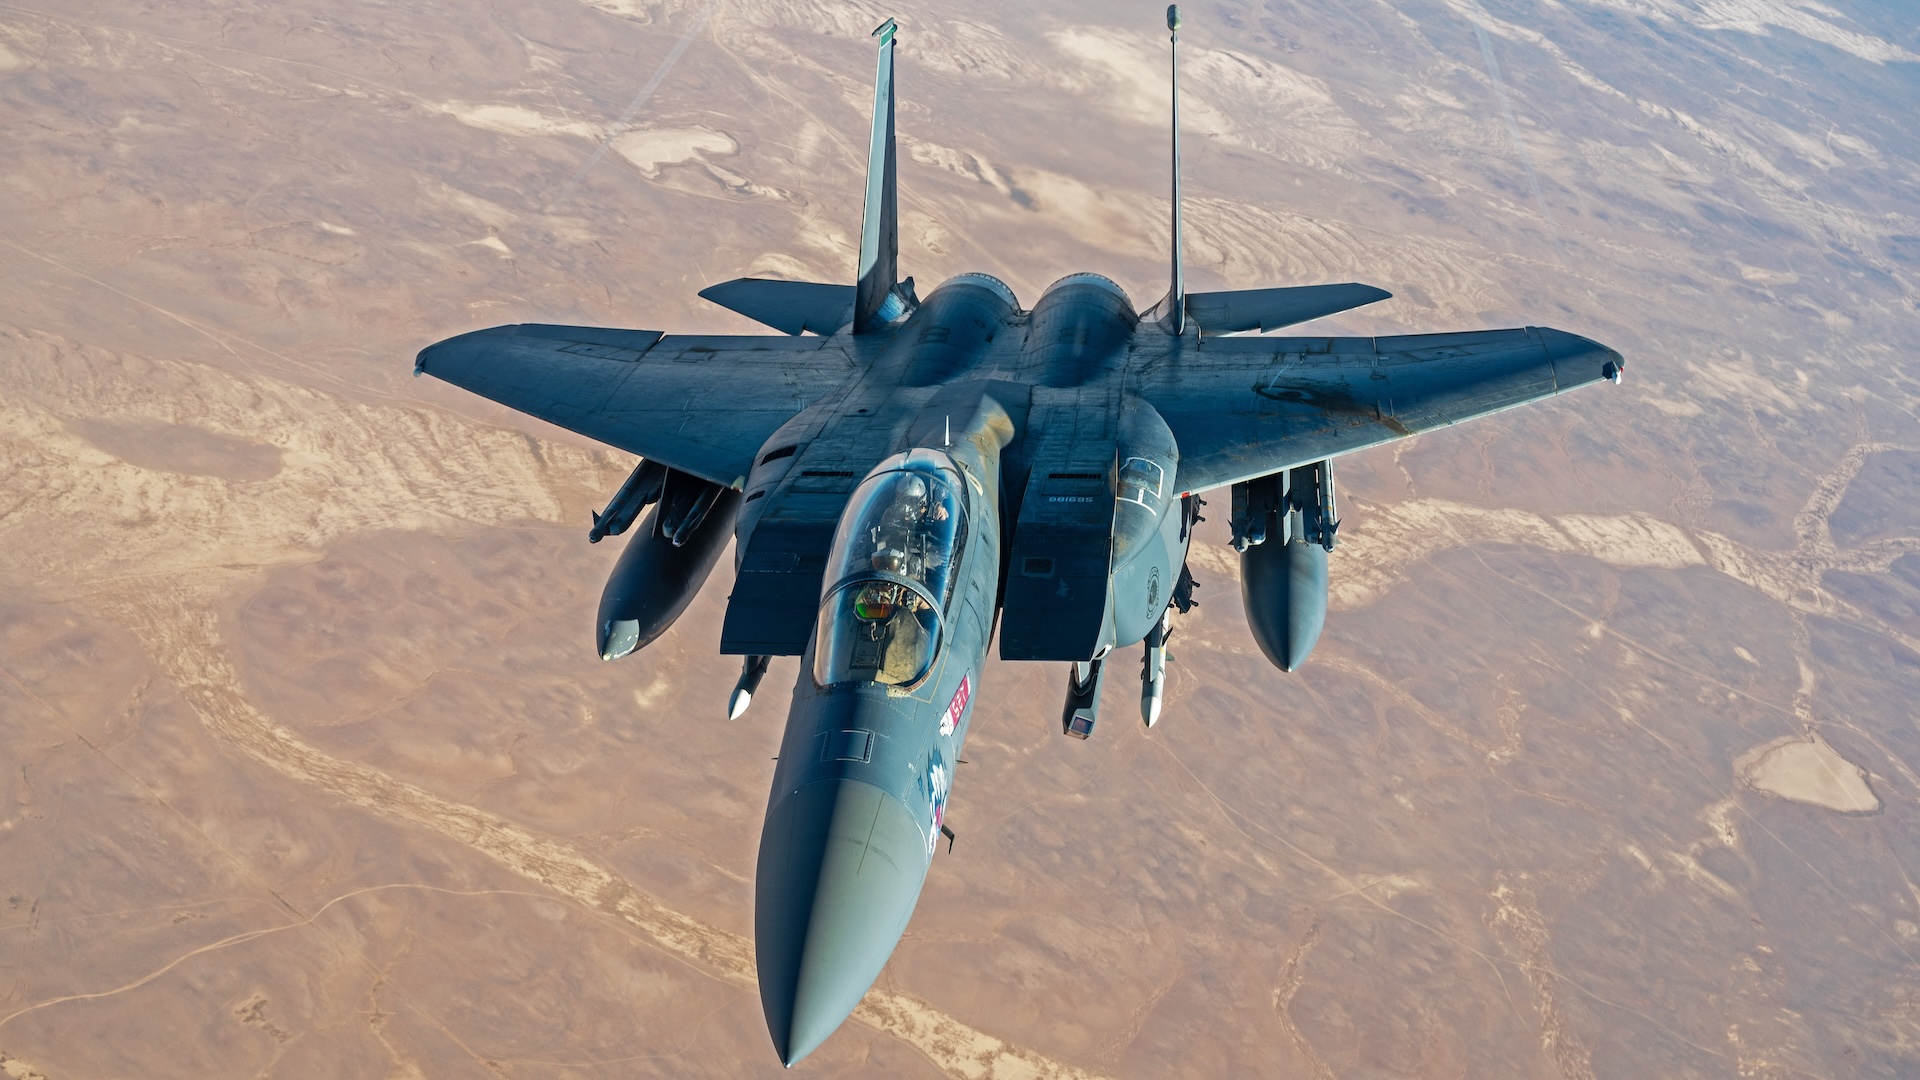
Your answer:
<point x="897" y="472"/>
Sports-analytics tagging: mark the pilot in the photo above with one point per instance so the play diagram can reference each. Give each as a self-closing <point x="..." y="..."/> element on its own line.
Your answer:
<point x="901" y="524"/>
<point x="932" y="532"/>
<point x="876" y="600"/>
<point x="912" y="503"/>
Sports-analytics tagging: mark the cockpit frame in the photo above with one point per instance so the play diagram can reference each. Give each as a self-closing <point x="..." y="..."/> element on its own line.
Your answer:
<point x="891" y="575"/>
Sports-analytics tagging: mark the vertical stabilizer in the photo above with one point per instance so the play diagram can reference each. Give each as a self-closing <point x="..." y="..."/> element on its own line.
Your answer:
<point x="1177" y="295"/>
<point x="876" y="301"/>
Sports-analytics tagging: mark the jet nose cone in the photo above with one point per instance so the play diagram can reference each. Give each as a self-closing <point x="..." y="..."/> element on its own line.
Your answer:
<point x="618" y="637"/>
<point x="841" y="865"/>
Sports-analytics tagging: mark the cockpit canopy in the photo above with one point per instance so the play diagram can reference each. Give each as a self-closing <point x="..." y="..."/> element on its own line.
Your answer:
<point x="892" y="573"/>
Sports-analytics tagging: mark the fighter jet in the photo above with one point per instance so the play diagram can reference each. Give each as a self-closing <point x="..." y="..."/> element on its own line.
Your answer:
<point x="900" y="473"/>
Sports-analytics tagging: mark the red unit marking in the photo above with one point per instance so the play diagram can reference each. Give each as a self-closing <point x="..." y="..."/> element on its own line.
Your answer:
<point x="956" y="707"/>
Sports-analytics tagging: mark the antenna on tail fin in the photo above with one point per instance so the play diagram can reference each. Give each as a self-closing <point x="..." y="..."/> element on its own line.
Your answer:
<point x="879" y="298"/>
<point x="1177" y="295"/>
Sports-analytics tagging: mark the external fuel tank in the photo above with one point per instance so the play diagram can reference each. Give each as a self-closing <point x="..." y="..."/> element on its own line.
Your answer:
<point x="1284" y="526"/>
<point x="664" y="564"/>
<point x="1284" y="587"/>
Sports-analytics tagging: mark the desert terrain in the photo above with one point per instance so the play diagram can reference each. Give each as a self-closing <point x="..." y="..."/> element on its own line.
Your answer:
<point x="1608" y="764"/>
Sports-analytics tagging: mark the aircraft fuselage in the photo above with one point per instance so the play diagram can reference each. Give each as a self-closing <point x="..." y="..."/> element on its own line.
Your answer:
<point x="867" y="763"/>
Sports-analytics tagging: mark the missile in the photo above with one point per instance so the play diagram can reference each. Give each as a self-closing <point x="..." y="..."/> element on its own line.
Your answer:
<point x="679" y="525"/>
<point x="643" y="485"/>
<point x="751" y="672"/>
<point x="1153" y="673"/>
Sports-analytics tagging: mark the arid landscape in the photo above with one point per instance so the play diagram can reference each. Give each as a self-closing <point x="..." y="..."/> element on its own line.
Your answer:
<point x="1607" y="767"/>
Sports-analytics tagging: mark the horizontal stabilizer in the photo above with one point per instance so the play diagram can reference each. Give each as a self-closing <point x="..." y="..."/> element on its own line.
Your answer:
<point x="1271" y="309"/>
<point x="791" y="307"/>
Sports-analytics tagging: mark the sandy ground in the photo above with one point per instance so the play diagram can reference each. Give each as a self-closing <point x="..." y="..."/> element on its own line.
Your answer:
<point x="1808" y="771"/>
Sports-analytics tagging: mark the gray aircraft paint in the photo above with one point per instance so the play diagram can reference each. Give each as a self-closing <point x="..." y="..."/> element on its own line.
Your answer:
<point x="1079" y="426"/>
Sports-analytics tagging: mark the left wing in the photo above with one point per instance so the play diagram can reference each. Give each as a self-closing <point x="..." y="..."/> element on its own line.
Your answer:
<point x="702" y="405"/>
<point x="1247" y="407"/>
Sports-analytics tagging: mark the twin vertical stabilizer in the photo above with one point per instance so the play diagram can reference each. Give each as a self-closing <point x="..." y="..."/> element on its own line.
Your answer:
<point x="1239" y="310"/>
<point x="881" y="298"/>
<point x="877" y="298"/>
<point x="1177" y="293"/>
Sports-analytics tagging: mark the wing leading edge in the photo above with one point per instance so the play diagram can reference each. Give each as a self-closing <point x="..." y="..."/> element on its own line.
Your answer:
<point x="702" y="405"/>
<point x="1242" y="408"/>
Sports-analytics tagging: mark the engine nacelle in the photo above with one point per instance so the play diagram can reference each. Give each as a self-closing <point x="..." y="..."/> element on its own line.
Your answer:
<point x="665" y="564"/>
<point x="1284" y="526"/>
<point x="1080" y="326"/>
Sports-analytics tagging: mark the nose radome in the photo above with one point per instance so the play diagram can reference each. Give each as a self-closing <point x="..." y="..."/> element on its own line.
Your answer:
<point x="841" y="866"/>
<point x="618" y="637"/>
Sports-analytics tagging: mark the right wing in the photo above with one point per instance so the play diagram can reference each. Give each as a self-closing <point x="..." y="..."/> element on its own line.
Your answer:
<point x="1244" y="407"/>
<point x="702" y="405"/>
